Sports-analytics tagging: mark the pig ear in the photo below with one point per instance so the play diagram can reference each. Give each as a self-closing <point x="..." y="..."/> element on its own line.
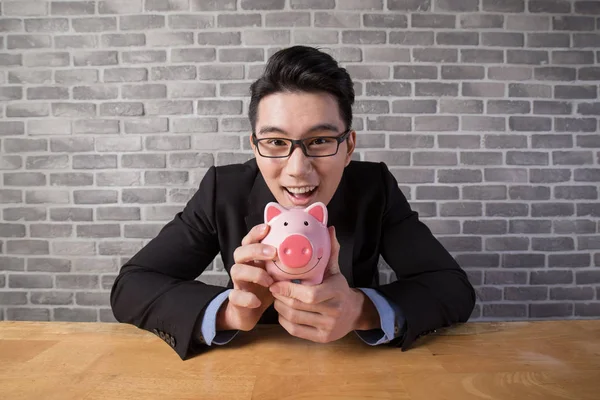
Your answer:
<point x="319" y="211"/>
<point x="272" y="210"/>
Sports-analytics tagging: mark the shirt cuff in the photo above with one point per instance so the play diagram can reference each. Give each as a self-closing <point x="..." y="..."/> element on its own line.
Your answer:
<point x="390" y="317"/>
<point x="209" y="323"/>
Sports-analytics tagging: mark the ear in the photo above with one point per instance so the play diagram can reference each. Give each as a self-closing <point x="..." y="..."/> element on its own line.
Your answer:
<point x="319" y="211"/>
<point x="351" y="143"/>
<point x="272" y="210"/>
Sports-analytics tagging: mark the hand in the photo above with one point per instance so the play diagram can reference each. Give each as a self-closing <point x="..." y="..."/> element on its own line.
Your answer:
<point x="250" y="296"/>
<point x="326" y="312"/>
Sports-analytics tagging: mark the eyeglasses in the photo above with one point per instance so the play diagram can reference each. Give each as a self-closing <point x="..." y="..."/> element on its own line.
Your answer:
<point x="317" y="146"/>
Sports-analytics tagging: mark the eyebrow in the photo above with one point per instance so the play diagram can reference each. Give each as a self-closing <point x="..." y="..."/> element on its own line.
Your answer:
<point x="320" y="127"/>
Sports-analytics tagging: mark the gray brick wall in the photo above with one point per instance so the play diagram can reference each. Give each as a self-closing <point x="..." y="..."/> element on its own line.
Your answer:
<point x="486" y="111"/>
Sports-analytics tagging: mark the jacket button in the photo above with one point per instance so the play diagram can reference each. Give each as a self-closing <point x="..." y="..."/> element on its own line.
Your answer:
<point x="172" y="341"/>
<point x="155" y="331"/>
<point x="162" y="335"/>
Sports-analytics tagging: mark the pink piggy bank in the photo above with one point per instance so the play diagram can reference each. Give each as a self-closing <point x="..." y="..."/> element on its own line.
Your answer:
<point x="302" y="242"/>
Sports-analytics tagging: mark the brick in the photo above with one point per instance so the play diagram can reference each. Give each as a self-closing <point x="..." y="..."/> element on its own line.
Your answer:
<point x="238" y="20"/>
<point x="125" y="75"/>
<point x="434" y="158"/>
<point x="98" y="231"/>
<point x="169" y="5"/>
<point x="209" y="141"/>
<point x="506" y="210"/>
<point x="30" y="76"/>
<point x="144" y="161"/>
<point x="574" y="226"/>
<point x="241" y="55"/>
<point x="483" y="124"/>
<point x="443" y="227"/>
<point x="585" y="39"/>
<point x="194" y="125"/>
<point x="312" y="4"/>
<point x="94" y="24"/>
<point x="10" y="196"/>
<point x="118" y="214"/>
<point x="504" y="310"/>
<point x="529" y="192"/>
<point x="573" y="23"/>
<point x="576" y="192"/>
<point x="575" y="57"/>
<point x="167" y="39"/>
<point x="13" y="298"/>
<point x="144" y="196"/>
<point x="506" y="243"/>
<point x="389" y="123"/>
<point x="235" y="125"/>
<point x="71" y="214"/>
<point x="462" y="72"/>
<point x="551" y="107"/>
<point x="94" y="161"/>
<point x="413" y="107"/>
<point x="529" y="124"/>
<point x="414" y="72"/>
<point x="569" y="260"/>
<point x="413" y="175"/>
<point x="10" y="162"/>
<point x="587" y="310"/>
<point x="589" y="74"/>
<point x="25" y="145"/>
<point x="161" y="213"/>
<point x="508" y="107"/>
<point x="386" y="21"/>
<point x="50" y="230"/>
<point x="436" y="89"/>
<point x="46" y="196"/>
<point x="436" y="123"/>
<point x="572" y="293"/>
<point x="588" y="108"/>
<point x="431" y="20"/>
<point x="554" y="74"/>
<point x="588" y="243"/>
<point x="548" y="40"/>
<point x="506" y="6"/>
<point x="124" y="248"/>
<point x="253" y="37"/>
<point x="75" y="41"/>
<point x="553" y="244"/>
<point x="145" y="56"/>
<point x="478" y="260"/>
<point x="189" y="55"/>
<point x="363" y="37"/>
<point x="550" y="310"/>
<point x="478" y="21"/>
<point x="483" y="89"/>
<point x="28" y="42"/>
<point x="122" y="109"/>
<point x="530" y="227"/>
<point x="166" y="177"/>
<point x="25" y="110"/>
<point x="12" y="230"/>
<point x="587" y="7"/>
<point x="437" y="193"/>
<point x="11" y="59"/>
<point x="587" y="175"/>
<point x="532" y="57"/>
<point x="527" y="158"/>
<point x="168" y="143"/>
<point x="457" y="38"/>
<point x="313" y="37"/>
<point x="73" y="110"/>
<point x="380" y="54"/>
<point x="518" y="293"/>
<point x="219" y="107"/>
<point x="38" y="25"/>
<point x="371" y="107"/>
<point x="12" y="128"/>
<point x="510" y="73"/>
<point x="502" y="39"/>
<point x="24" y="179"/>
<point x="587" y="277"/>
<point x="221" y="72"/>
<point x="366" y="141"/>
<point x="191" y="160"/>
<point x="262" y="4"/>
<point x="143" y="22"/>
<point x="529" y="90"/>
<point x="550" y="6"/>
<point x="505" y="277"/>
<point x="549" y="175"/>
<point x="452" y="106"/>
<point x="76" y="76"/>
<point x="71" y="179"/>
<point x="8" y="93"/>
<point x="484" y="227"/>
<point x="93" y="58"/>
<point x="552" y="210"/>
<point x="415" y="38"/>
<point x="588" y="140"/>
<point x="435" y="55"/>
<point x="411" y="141"/>
<point x="184" y="21"/>
<point x="487" y="192"/>
<point x="575" y="92"/>
<point x="459" y="176"/>
<point x="46" y="93"/>
<point x="453" y="141"/>
<point x="572" y="157"/>
<point x="47" y="162"/>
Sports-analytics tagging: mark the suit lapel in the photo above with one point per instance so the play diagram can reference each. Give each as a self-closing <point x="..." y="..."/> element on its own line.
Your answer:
<point x="339" y="209"/>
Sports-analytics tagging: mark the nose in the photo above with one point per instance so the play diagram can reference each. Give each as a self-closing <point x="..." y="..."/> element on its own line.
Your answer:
<point x="295" y="251"/>
<point x="297" y="163"/>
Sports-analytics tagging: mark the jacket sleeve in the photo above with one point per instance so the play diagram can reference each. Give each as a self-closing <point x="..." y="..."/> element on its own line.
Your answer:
<point x="431" y="289"/>
<point x="156" y="289"/>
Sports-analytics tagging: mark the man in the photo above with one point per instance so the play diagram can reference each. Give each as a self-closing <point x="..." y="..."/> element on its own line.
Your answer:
<point x="301" y="116"/>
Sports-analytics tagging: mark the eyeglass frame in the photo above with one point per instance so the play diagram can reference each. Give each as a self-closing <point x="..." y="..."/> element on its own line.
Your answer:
<point x="300" y="142"/>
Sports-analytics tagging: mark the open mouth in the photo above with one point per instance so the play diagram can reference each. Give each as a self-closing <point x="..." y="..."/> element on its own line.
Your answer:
<point x="300" y="195"/>
<point x="301" y="273"/>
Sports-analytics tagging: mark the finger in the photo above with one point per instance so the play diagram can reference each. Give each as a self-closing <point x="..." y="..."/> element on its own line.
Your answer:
<point x="333" y="266"/>
<point x="256" y="234"/>
<point x="247" y="273"/>
<point x="298" y="316"/>
<point x="254" y="251"/>
<point x="300" y="331"/>
<point x="297" y="304"/>
<point x="307" y="294"/>
<point x="243" y="299"/>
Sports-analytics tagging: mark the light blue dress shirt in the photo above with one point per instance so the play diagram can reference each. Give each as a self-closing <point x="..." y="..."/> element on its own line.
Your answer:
<point x="390" y="316"/>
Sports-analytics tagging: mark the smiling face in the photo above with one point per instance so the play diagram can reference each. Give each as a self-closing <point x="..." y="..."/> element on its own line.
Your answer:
<point x="299" y="181"/>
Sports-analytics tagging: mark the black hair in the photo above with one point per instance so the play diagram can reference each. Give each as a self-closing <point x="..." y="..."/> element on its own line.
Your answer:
<point x="303" y="69"/>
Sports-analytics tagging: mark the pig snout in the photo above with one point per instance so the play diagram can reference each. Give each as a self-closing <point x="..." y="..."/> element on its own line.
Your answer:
<point x="295" y="251"/>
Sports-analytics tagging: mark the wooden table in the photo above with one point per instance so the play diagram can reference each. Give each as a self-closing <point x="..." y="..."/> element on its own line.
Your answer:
<point x="518" y="360"/>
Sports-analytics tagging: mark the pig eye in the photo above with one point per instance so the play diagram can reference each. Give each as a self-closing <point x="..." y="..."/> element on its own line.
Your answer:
<point x="306" y="223"/>
<point x="285" y="224"/>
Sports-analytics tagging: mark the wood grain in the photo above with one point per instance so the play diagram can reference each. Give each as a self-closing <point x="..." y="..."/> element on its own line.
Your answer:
<point x="511" y="360"/>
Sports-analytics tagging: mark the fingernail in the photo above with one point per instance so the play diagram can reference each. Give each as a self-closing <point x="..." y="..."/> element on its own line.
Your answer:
<point x="274" y="289"/>
<point x="268" y="251"/>
<point x="263" y="227"/>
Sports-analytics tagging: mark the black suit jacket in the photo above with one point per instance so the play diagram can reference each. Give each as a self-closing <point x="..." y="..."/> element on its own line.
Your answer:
<point x="156" y="289"/>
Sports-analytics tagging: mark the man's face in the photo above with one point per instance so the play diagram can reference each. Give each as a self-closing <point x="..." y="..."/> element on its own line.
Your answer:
<point x="299" y="181"/>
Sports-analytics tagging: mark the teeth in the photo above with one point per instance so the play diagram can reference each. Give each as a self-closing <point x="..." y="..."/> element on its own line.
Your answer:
<point x="300" y="190"/>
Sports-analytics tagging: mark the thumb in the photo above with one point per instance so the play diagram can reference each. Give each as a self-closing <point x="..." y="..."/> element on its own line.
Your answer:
<point x="333" y="266"/>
